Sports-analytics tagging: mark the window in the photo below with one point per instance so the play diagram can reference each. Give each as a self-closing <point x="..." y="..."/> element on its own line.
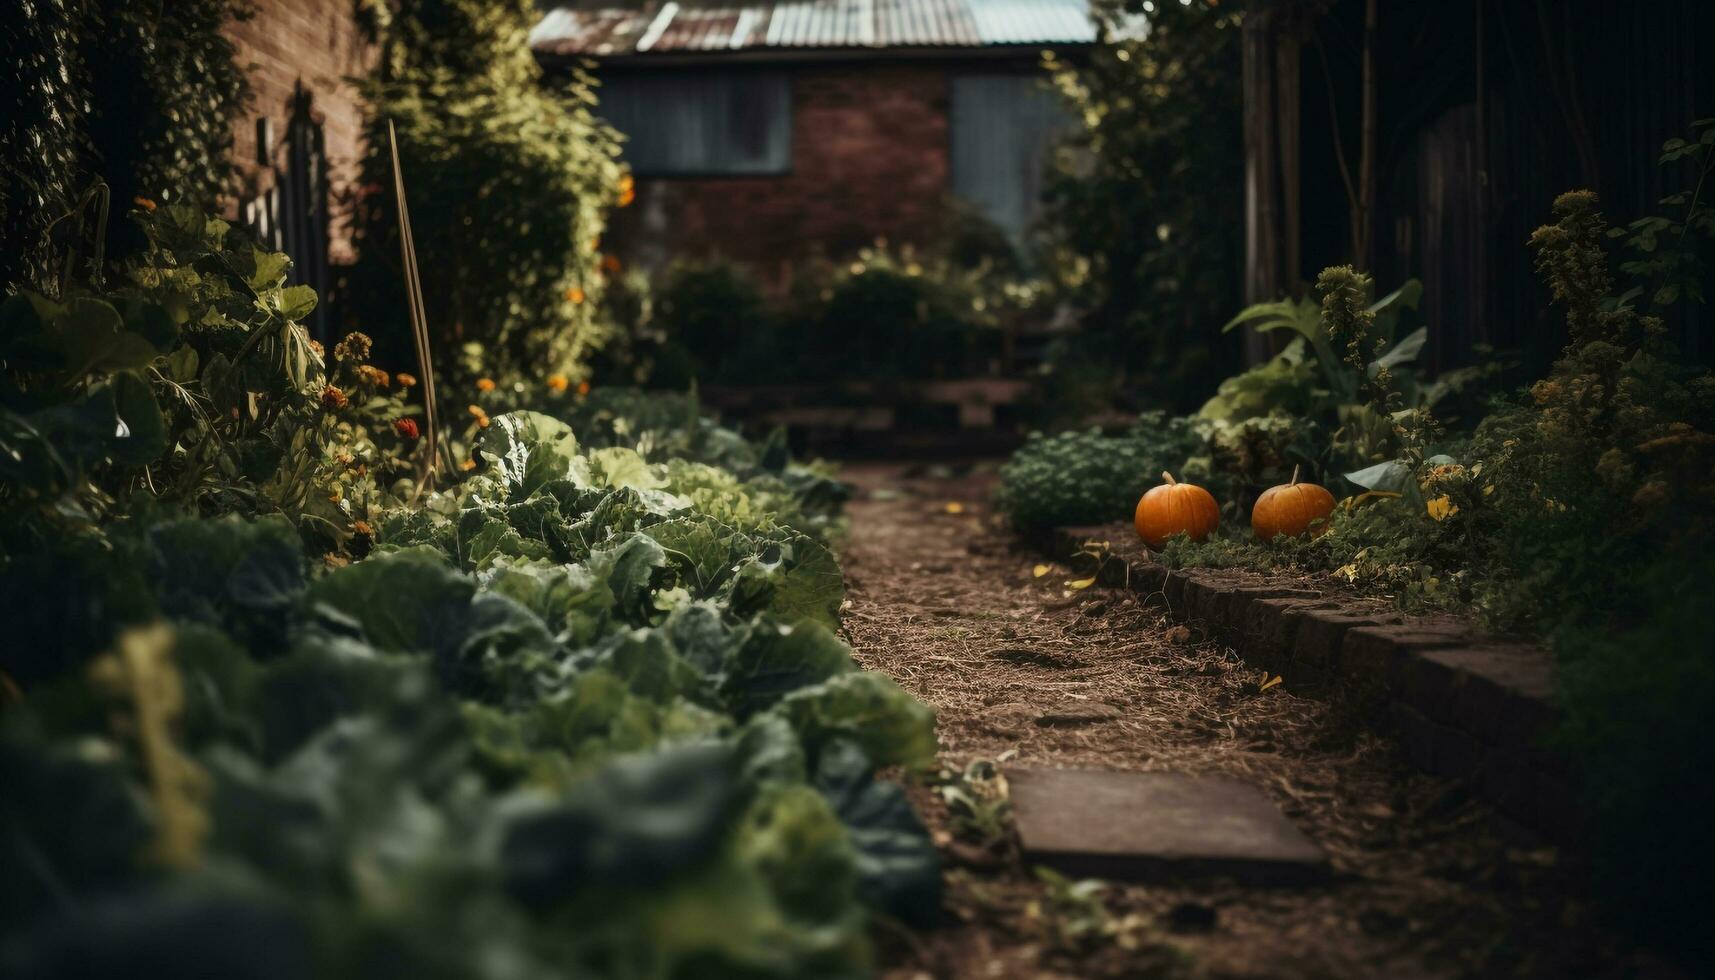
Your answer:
<point x="1004" y="127"/>
<point x="686" y="123"/>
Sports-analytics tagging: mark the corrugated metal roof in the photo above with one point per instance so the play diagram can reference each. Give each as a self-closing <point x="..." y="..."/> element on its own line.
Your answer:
<point x="605" y="27"/>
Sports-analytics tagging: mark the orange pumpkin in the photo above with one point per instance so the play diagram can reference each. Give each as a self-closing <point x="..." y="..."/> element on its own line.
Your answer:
<point x="1176" y="508"/>
<point x="1291" y="509"/>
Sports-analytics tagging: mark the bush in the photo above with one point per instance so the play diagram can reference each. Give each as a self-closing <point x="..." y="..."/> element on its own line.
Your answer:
<point x="1088" y="477"/>
<point x="510" y="180"/>
<point x="191" y="385"/>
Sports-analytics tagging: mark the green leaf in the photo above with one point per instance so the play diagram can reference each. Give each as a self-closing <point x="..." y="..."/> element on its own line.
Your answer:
<point x="297" y="302"/>
<point x="639" y="822"/>
<point x="410" y="600"/>
<point x="1391" y="476"/>
<point x="140" y="433"/>
<point x="527" y="449"/>
<point x="898" y="868"/>
<point x="777" y="659"/>
<point x="870" y="710"/>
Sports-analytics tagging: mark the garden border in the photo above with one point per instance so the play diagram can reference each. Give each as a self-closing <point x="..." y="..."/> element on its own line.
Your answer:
<point x="1463" y="703"/>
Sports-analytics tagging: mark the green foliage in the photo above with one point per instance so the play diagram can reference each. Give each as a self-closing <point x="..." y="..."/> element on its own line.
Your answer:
<point x="191" y="385"/>
<point x="887" y="313"/>
<point x="565" y="719"/>
<point x="1146" y="222"/>
<point x="1088" y="477"/>
<point x="510" y="178"/>
<point x="143" y="93"/>
<point x="1671" y="251"/>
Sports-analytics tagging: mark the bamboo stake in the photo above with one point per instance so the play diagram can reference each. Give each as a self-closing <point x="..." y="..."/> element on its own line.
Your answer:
<point x="419" y="316"/>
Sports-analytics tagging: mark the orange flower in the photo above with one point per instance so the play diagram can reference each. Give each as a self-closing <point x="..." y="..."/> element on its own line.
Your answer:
<point x="610" y="264"/>
<point x="583" y="388"/>
<point x="485" y="385"/>
<point x="333" y="399"/>
<point x="627" y="190"/>
<point x="480" y="416"/>
<point x="558" y="382"/>
<point x="405" y="380"/>
<point x="574" y="295"/>
<point x="468" y="465"/>
<point x="144" y="203"/>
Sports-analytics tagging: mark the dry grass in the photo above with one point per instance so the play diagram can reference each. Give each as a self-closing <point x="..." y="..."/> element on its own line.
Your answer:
<point x="1023" y="668"/>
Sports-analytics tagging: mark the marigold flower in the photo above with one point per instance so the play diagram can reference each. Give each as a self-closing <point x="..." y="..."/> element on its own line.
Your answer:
<point x="374" y="375"/>
<point x="355" y="347"/>
<point x="574" y="295"/>
<point x="333" y="399"/>
<point x="627" y="190"/>
<point x="407" y="428"/>
<point x="558" y="382"/>
<point x="144" y="203"/>
<point x="485" y="384"/>
<point x="405" y="380"/>
<point x="583" y="388"/>
<point x="362" y="529"/>
<point x="480" y="416"/>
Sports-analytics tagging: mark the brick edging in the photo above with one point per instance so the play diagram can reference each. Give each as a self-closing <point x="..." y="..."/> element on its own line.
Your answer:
<point x="1462" y="703"/>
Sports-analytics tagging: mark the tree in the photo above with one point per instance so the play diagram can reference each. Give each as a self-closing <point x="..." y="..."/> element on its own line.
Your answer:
<point x="1146" y="204"/>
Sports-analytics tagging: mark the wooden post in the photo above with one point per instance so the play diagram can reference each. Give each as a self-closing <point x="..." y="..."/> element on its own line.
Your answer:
<point x="1271" y="123"/>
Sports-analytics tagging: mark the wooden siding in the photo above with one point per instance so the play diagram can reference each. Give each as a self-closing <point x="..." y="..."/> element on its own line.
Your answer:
<point x="1003" y="128"/>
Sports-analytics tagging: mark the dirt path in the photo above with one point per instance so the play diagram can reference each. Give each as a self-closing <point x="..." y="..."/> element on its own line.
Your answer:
<point x="1426" y="883"/>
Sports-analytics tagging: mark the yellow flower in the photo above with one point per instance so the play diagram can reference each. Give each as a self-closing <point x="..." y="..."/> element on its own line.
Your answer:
<point x="485" y="384"/>
<point x="405" y="380"/>
<point x="1442" y="508"/>
<point x="480" y="416"/>
<point x="627" y="190"/>
<point x="558" y="382"/>
<point x="574" y="295"/>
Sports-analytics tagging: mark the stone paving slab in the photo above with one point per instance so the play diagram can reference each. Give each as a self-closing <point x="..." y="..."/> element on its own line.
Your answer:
<point x="1153" y="826"/>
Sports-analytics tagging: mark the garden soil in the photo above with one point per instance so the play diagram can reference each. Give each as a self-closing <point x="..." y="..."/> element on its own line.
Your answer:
<point x="1024" y="668"/>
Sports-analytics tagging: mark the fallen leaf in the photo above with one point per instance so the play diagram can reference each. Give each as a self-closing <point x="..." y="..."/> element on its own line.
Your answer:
<point x="1040" y="570"/>
<point x="954" y="507"/>
<point x="1082" y="583"/>
<point x="1277" y="679"/>
<point x="1179" y="634"/>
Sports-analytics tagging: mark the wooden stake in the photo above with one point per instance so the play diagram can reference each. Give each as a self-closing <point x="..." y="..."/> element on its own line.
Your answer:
<point x="419" y="316"/>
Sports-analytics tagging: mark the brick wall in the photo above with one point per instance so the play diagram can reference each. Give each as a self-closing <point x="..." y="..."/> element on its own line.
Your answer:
<point x="316" y="44"/>
<point x="869" y="158"/>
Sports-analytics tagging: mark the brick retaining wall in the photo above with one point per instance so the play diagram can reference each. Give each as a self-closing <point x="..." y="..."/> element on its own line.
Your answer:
<point x="1462" y="703"/>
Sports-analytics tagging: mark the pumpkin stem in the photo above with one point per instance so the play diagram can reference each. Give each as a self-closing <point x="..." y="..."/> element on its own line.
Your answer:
<point x="1168" y="477"/>
<point x="1294" y="474"/>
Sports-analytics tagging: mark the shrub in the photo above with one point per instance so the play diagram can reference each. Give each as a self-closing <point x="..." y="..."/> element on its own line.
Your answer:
<point x="510" y="180"/>
<point x="1088" y="477"/>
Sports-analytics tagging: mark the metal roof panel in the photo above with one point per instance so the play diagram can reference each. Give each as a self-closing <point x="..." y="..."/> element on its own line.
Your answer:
<point x="607" y="27"/>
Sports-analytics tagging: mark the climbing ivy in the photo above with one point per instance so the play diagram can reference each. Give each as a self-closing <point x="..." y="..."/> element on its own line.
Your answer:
<point x="142" y="94"/>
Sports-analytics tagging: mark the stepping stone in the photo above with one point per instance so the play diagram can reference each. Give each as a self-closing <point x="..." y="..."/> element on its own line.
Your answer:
<point x="1155" y="826"/>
